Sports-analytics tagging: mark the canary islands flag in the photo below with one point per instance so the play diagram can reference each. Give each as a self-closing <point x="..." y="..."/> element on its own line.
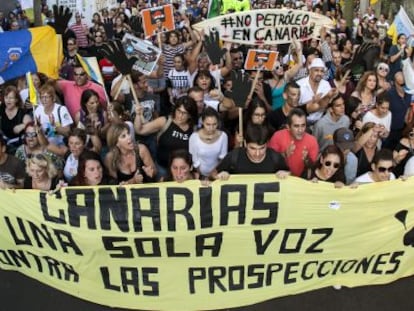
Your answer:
<point x="90" y="65"/>
<point x="36" y="49"/>
<point x="401" y="24"/>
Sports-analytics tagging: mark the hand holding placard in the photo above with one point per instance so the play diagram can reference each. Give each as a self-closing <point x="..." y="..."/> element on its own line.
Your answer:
<point x="61" y="18"/>
<point x="212" y="46"/>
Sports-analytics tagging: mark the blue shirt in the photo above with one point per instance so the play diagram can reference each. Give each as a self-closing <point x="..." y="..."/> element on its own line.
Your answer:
<point x="398" y="108"/>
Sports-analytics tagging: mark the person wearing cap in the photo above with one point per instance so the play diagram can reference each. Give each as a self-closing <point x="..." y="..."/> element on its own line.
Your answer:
<point x="315" y="92"/>
<point x="333" y="119"/>
<point x="381" y="168"/>
<point x="344" y="139"/>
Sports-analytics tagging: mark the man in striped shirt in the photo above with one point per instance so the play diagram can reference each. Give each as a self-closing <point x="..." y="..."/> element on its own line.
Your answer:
<point x="81" y="31"/>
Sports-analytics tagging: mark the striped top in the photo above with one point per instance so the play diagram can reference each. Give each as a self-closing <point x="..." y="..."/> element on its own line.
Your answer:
<point x="169" y="52"/>
<point x="81" y="32"/>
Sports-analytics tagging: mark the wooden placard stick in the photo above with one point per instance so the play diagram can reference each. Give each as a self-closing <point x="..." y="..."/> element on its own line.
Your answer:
<point x="241" y="126"/>
<point x="134" y="93"/>
<point x="159" y="40"/>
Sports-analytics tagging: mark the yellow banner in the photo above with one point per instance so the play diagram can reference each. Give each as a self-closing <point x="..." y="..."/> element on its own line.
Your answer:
<point x="177" y="247"/>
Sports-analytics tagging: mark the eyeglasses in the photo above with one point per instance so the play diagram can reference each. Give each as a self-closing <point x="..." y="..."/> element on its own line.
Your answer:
<point x="45" y="97"/>
<point x="382" y="169"/>
<point x="329" y="163"/>
<point x="79" y="74"/>
<point x="386" y="69"/>
<point x="182" y="112"/>
<point x="30" y="135"/>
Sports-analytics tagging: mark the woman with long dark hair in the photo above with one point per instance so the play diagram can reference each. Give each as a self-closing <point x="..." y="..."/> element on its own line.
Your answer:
<point x="330" y="167"/>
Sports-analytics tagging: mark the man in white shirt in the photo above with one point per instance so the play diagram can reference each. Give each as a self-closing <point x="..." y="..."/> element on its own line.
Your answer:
<point x="315" y="92"/>
<point x="381" y="168"/>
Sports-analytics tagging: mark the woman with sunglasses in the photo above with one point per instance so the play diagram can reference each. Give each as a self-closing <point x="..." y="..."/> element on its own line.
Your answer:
<point x="32" y="146"/>
<point x="280" y="77"/>
<point x="382" y="84"/>
<point x="329" y="168"/>
<point x="381" y="168"/>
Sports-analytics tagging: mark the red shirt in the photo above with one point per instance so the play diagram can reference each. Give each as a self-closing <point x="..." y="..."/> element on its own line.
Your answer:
<point x="282" y="139"/>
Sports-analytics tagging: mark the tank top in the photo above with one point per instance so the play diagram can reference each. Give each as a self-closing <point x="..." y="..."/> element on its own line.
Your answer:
<point x="121" y="176"/>
<point x="277" y="96"/>
<point x="173" y="138"/>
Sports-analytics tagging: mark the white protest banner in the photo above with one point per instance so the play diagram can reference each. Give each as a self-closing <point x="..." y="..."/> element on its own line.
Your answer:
<point x="86" y="8"/>
<point x="266" y="26"/>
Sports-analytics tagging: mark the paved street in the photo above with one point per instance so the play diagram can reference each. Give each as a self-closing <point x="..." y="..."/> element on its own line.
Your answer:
<point x="19" y="293"/>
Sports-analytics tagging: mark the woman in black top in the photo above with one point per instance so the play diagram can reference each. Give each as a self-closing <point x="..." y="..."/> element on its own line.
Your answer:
<point x="126" y="161"/>
<point x="173" y="131"/>
<point x="329" y="168"/>
<point x="13" y="118"/>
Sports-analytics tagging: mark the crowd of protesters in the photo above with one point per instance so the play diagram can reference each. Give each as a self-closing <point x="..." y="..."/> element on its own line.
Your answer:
<point x="308" y="117"/>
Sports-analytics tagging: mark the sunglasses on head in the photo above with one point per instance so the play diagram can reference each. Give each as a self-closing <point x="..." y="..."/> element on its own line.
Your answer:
<point x="329" y="163"/>
<point x="382" y="169"/>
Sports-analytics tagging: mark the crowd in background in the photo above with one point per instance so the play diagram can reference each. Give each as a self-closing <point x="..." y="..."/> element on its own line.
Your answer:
<point x="308" y="117"/>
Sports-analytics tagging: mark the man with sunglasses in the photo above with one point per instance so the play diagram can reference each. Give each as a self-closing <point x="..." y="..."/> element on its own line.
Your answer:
<point x="381" y="168"/>
<point x="72" y="90"/>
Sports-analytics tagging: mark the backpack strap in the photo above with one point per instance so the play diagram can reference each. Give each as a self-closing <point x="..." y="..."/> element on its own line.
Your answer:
<point x="58" y="112"/>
